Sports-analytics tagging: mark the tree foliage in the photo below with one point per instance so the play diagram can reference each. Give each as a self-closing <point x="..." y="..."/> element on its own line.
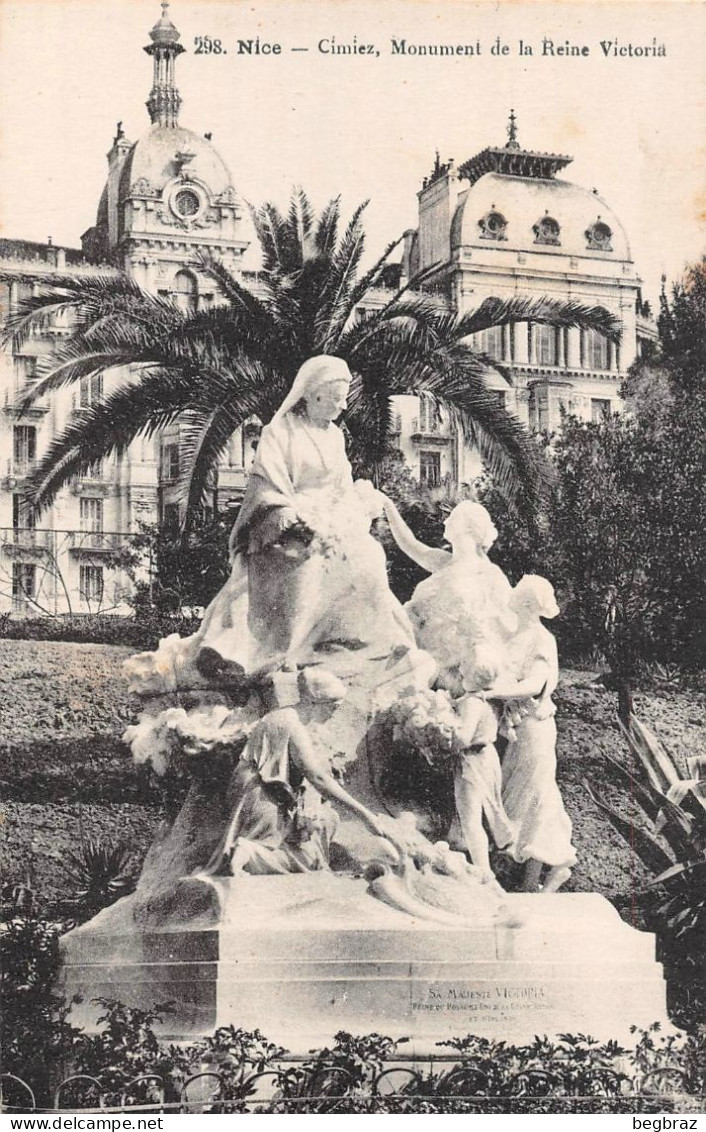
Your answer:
<point x="212" y="370"/>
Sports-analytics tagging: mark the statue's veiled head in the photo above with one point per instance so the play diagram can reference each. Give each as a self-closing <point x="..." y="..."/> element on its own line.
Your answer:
<point x="320" y="389"/>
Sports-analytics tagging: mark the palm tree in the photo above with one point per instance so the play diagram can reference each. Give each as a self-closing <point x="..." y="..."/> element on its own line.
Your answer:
<point x="212" y="370"/>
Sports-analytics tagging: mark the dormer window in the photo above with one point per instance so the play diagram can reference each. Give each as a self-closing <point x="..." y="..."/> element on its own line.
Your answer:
<point x="599" y="237"/>
<point x="546" y="231"/>
<point x="492" y="226"/>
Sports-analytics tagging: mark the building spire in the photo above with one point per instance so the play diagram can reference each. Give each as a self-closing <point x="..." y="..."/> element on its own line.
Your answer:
<point x="512" y="142"/>
<point x="164" y="100"/>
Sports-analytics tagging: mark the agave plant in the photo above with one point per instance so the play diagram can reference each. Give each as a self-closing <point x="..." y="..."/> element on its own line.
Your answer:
<point x="212" y="370"/>
<point x="674" y="848"/>
<point x="103" y="870"/>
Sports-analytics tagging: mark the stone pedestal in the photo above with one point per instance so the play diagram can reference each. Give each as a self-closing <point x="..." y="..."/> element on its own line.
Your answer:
<point x="301" y="957"/>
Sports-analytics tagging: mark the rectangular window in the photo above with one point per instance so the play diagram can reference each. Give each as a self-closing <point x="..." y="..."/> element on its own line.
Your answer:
<point x="501" y="397"/>
<point x="91" y="390"/>
<point x="493" y="342"/>
<point x="428" y="414"/>
<point x="170" y="516"/>
<point x="430" y="469"/>
<point x="546" y="344"/>
<point x="170" y="462"/>
<point x="596" y="350"/>
<point x="600" y="409"/>
<point x="91" y="584"/>
<point x="24" y="583"/>
<point x="91" y="514"/>
<point x="24" y="447"/>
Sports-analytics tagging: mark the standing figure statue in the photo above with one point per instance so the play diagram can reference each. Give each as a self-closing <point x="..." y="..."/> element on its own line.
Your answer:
<point x="462" y="616"/>
<point x="529" y="791"/>
<point x="477" y="773"/>
<point x="307" y="576"/>
<point x="465" y="604"/>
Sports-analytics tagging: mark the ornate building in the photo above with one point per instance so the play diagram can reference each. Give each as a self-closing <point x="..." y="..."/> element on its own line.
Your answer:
<point x="167" y="196"/>
<point x="501" y="224"/>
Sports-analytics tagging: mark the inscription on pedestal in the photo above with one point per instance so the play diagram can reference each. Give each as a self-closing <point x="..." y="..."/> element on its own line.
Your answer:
<point x="483" y="1001"/>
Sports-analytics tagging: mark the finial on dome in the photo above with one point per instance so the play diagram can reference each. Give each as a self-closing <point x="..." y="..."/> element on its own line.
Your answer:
<point x="512" y="142"/>
<point x="164" y="31"/>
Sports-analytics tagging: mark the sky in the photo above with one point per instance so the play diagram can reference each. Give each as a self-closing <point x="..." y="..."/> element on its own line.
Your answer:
<point x="364" y="125"/>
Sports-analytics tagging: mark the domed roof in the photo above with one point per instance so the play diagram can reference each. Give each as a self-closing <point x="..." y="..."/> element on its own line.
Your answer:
<point x="515" y="213"/>
<point x="102" y="214"/>
<point x="166" y="151"/>
<point x="164" y="32"/>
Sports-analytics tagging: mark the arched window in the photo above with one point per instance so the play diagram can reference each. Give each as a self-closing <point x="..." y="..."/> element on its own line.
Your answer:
<point x="186" y="292"/>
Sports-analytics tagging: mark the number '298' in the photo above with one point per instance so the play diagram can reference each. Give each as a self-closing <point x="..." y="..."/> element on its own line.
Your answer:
<point x="204" y="45"/>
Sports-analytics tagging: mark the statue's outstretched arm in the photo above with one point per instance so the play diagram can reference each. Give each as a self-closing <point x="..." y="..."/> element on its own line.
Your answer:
<point x="316" y="771"/>
<point x="428" y="557"/>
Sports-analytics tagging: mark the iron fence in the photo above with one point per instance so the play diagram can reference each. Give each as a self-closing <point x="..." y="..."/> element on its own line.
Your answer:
<point x="294" y="1085"/>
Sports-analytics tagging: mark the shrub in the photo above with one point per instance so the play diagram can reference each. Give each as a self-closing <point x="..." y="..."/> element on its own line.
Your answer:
<point x="36" y="1038"/>
<point x="669" y="837"/>
<point x="144" y="632"/>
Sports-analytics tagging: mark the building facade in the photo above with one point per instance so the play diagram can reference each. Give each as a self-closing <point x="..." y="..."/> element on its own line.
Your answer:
<point x="167" y="197"/>
<point x="502" y="225"/>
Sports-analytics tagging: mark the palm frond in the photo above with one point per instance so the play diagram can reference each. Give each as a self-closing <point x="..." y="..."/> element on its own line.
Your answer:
<point x="90" y="303"/>
<point x="556" y="312"/>
<point x="247" y="392"/>
<point x="300" y="223"/>
<point x="231" y="289"/>
<point x="346" y="303"/>
<point x="345" y="259"/>
<point x="269" y="227"/>
<point x="327" y="228"/>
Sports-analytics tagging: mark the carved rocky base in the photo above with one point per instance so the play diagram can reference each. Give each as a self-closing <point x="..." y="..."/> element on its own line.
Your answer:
<point x="301" y="957"/>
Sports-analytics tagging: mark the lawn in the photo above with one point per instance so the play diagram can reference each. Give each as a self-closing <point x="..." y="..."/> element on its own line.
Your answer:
<point x="66" y="775"/>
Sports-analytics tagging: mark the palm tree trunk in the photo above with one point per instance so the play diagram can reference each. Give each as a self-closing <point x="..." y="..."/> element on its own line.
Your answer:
<point x="625" y="701"/>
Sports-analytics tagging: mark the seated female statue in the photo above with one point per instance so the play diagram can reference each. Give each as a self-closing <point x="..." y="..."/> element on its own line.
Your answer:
<point x="307" y="576"/>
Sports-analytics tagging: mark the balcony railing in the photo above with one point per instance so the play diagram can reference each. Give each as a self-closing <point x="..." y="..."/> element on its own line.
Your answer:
<point x="16" y="470"/>
<point x="431" y="430"/>
<point x="20" y="539"/>
<point x="95" y="542"/>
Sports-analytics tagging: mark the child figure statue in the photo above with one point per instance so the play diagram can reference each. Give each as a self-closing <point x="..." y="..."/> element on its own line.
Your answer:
<point x="529" y="790"/>
<point x="477" y="773"/>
